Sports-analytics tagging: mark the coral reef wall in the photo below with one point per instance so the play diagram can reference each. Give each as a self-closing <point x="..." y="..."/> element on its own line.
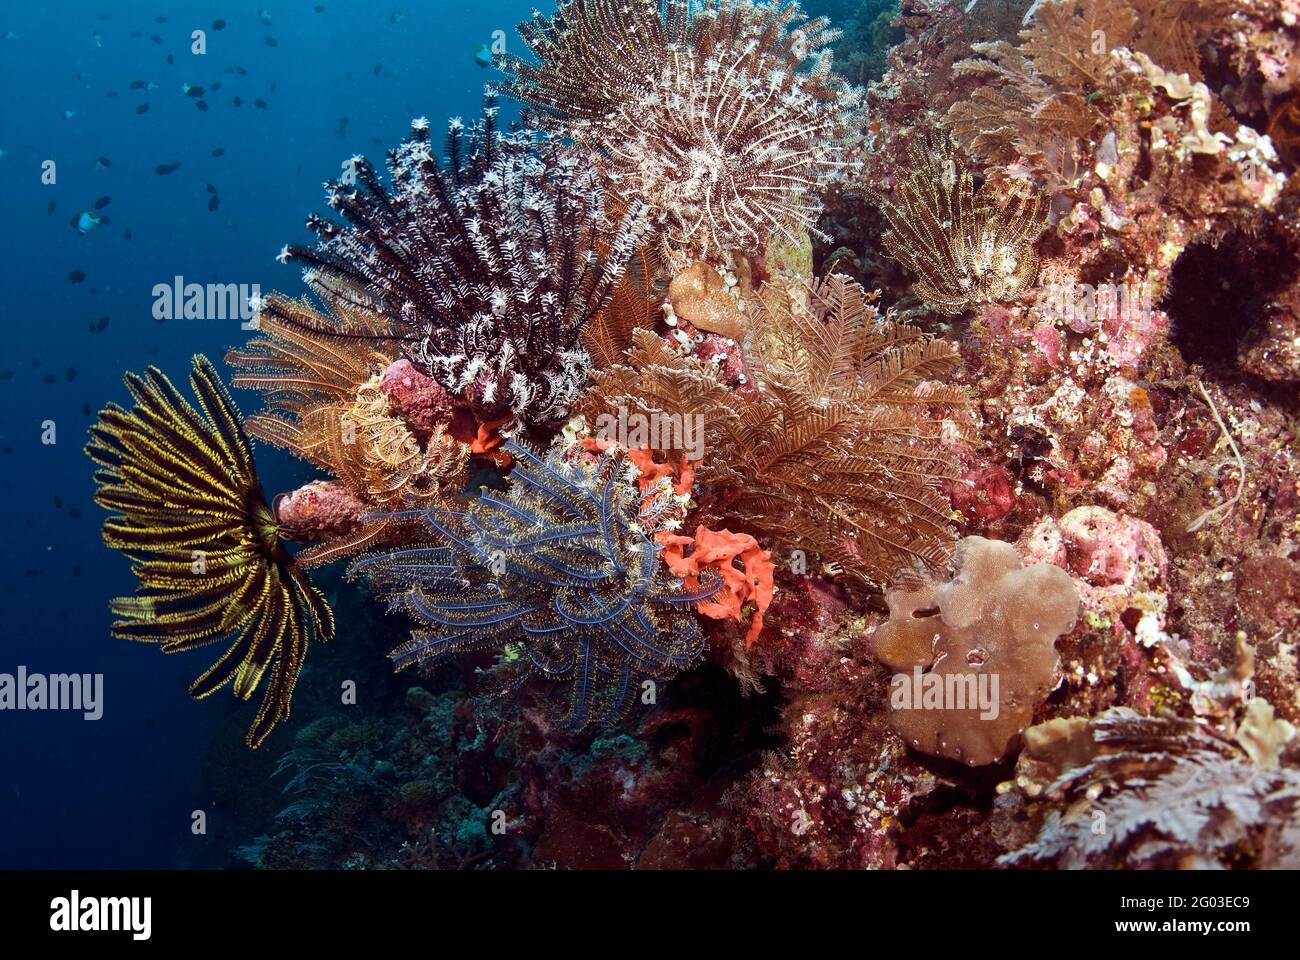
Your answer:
<point x="706" y="442"/>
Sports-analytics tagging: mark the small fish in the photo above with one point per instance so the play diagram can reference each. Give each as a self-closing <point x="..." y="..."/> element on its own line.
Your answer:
<point x="237" y="102"/>
<point x="71" y="374"/>
<point x="397" y="16"/>
<point x="378" y="69"/>
<point x="69" y="114"/>
<point x="165" y="168"/>
<point x="160" y="19"/>
<point x="214" y="86"/>
<point x="49" y="379"/>
<point x="86" y="221"/>
<point x="151" y="86"/>
<point x="171" y="60"/>
<point x="211" y="188"/>
<point x="137" y="34"/>
<point x="192" y="91"/>
<point x="52" y="205"/>
<point x="274" y="86"/>
<point x="270" y="41"/>
<point x="202" y="105"/>
<point x="219" y="151"/>
<point x="76" y="276"/>
<point x="483" y="57"/>
<point x="213" y="202"/>
<point x="218" y="25"/>
<point x="265" y="16"/>
<point x="58" y="502"/>
<point x="103" y="163"/>
<point x="143" y="108"/>
<point x="97" y="38"/>
<point x="101" y="325"/>
<point x="319" y="8"/>
<point x="103" y="201"/>
<point x="127" y="235"/>
<point x="260" y="104"/>
<point x="155" y="38"/>
<point x="86" y="409"/>
<point x="6" y="375"/>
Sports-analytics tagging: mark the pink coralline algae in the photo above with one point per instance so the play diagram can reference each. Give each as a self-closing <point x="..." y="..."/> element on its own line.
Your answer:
<point x="985" y="495"/>
<point x="1119" y="562"/>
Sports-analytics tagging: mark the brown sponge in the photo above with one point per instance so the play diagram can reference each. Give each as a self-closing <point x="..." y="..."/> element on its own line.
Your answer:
<point x="975" y="655"/>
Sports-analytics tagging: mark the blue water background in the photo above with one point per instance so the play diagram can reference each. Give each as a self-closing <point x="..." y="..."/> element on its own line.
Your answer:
<point x="119" y="791"/>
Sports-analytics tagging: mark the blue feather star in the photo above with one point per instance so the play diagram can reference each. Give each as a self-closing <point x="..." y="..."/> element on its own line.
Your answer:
<point x="564" y="569"/>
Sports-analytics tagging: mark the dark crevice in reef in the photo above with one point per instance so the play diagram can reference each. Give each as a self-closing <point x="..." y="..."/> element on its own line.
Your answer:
<point x="742" y="725"/>
<point x="1218" y="294"/>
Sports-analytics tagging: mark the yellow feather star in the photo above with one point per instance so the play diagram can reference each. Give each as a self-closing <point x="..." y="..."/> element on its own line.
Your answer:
<point x="190" y="514"/>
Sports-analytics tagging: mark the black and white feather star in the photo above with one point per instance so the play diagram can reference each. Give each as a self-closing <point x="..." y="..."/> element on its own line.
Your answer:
<point x="560" y="575"/>
<point x="492" y="261"/>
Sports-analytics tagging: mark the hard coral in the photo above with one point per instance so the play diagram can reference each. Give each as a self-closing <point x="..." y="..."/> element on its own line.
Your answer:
<point x="988" y="636"/>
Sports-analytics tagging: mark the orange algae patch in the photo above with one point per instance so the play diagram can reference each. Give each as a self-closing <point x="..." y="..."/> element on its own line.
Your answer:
<point x="718" y="550"/>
